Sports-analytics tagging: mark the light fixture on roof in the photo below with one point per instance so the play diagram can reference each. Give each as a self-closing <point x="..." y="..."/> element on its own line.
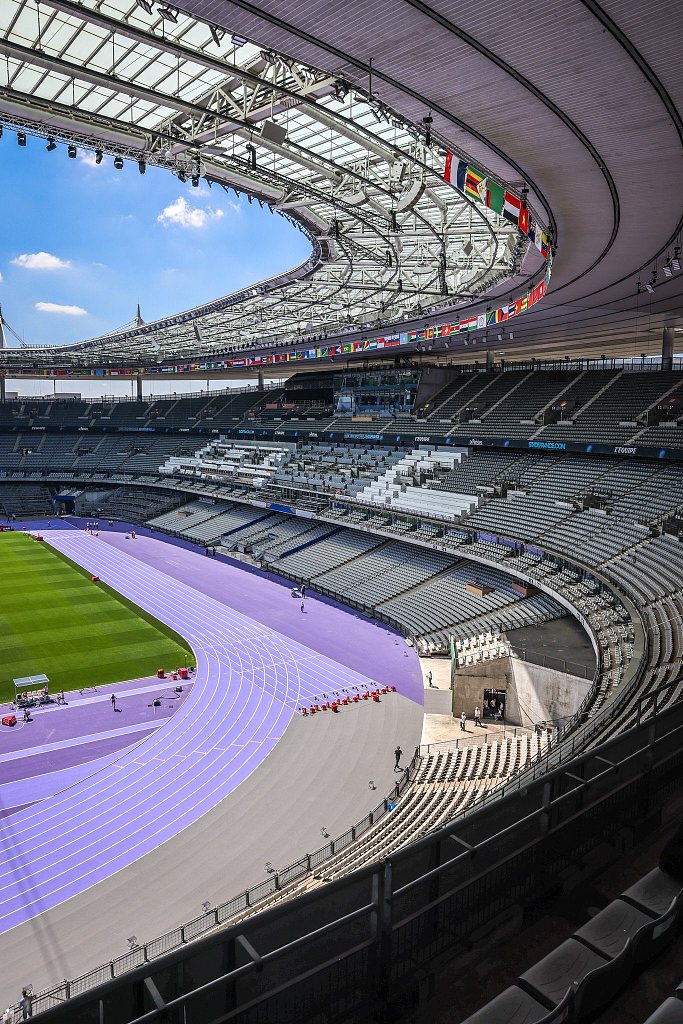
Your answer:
<point x="468" y="247"/>
<point x="142" y="166"/>
<point x="98" y="156"/>
<point x="168" y="14"/>
<point x="676" y="260"/>
<point x="427" y="122"/>
<point x="667" y="267"/>
<point x="649" y="287"/>
<point x="71" y="152"/>
<point x="268" y="56"/>
<point x="21" y="138"/>
<point x="195" y="181"/>
<point x="118" y="163"/>
<point x="144" y="5"/>
<point x="251" y="150"/>
<point x="182" y="176"/>
<point x="51" y="145"/>
<point x="238" y="40"/>
<point x="216" y="34"/>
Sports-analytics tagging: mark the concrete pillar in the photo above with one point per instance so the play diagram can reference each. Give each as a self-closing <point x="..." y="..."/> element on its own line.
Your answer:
<point x="667" y="348"/>
<point x="489" y="358"/>
<point x="2" y="389"/>
<point x="261" y="381"/>
<point x="138" y="381"/>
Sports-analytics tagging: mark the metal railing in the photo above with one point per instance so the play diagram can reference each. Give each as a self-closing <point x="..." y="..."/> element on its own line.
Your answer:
<point x="369" y="943"/>
<point x="219" y="916"/>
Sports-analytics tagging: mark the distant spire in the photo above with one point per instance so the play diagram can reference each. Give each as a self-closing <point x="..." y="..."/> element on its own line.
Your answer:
<point x="2" y="331"/>
<point x="138" y="317"/>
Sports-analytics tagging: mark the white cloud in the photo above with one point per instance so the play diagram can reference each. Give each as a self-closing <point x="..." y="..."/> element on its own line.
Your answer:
<point x="0" y="278"/>
<point x="87" y="158"/>
<point x="54" y="307"/>
<point x="180" y="212"/>
<point x="41" y="261"/>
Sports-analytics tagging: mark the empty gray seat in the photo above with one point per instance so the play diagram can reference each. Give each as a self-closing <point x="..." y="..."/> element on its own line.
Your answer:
<point x="655" y="892"/>
<point x="670" y="1012"/>
<point x="609" y="931"/>
<point x="515" y="1006"/>
<point x="569" y="964"/>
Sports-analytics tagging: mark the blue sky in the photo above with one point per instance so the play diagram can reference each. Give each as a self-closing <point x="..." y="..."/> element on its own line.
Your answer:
<point x="81" y="245"/>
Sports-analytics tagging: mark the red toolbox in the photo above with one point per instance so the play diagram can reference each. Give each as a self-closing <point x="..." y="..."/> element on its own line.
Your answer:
<point x="9" y="719"/>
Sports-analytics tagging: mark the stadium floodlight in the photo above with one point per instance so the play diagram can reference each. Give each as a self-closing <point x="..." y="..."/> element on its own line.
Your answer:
<point x="182" y="176"/>
<point x="676" y="261"/>
<point x="269" y="57"/>
<point x="71" y="152"/>
<point x="51" y="145"/>
<point x="142" y="166"/>
<point x="216" y="34"/>
<point x="168" y="14"/>
<point x="21" y="138"/>
<point x="118" y="163"/>
<point x="251" y="150"/>
<point x="144" y="5"/>
<point x="238" y="40"/>
<point x="649" y="287"/>
<point x="195" y="181"/>
<point x="98" y="156"/>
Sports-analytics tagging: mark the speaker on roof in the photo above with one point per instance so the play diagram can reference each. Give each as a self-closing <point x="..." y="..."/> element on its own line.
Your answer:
<point x="272" y="132"/>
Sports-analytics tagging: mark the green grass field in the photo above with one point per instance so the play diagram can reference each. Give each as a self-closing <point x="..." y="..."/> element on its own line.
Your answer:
<point x="54" y="619"/>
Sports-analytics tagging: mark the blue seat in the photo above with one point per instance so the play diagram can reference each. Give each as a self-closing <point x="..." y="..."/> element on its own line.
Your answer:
<point x="515" y="1006"/>
<point x="670" y="1012"/>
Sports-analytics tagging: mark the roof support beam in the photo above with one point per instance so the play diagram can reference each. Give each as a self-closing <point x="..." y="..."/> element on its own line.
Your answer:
<point x="41" y="59"/>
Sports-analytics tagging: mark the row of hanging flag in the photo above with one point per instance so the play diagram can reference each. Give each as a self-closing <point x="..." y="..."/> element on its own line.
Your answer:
<point x="481" y="188"/>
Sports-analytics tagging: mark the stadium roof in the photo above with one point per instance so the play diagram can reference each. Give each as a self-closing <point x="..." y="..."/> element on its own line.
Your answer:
<point x="389" y="237"/>
<point x="577" y="101"/>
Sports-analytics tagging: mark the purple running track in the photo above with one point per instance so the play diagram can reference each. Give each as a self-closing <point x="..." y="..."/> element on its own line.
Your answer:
<point x="250" y="679"/>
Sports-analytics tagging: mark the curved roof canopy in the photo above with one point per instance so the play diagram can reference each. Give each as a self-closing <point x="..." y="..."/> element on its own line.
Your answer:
<point x="390" y="239"/>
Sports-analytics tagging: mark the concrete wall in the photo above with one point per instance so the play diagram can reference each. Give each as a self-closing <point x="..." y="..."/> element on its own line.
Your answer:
<point x="538" y="694"/>
<point x="534" y="693"/>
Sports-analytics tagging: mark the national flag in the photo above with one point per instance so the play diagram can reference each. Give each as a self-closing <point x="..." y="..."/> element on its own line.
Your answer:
<point x="511" y="207"/>
<point x="455" y="171"/>
<point x="540" y="240"/>
<point x="481" y="321"/>
<point x="521" y="305"/>
<point x="475" y="185"/>
<point x="469" y="324"/>
<point x="495" y="196"/>
<point x="524" y="219"/>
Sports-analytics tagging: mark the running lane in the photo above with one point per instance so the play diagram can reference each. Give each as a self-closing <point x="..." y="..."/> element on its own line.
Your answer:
<point x="248" y="684"/>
